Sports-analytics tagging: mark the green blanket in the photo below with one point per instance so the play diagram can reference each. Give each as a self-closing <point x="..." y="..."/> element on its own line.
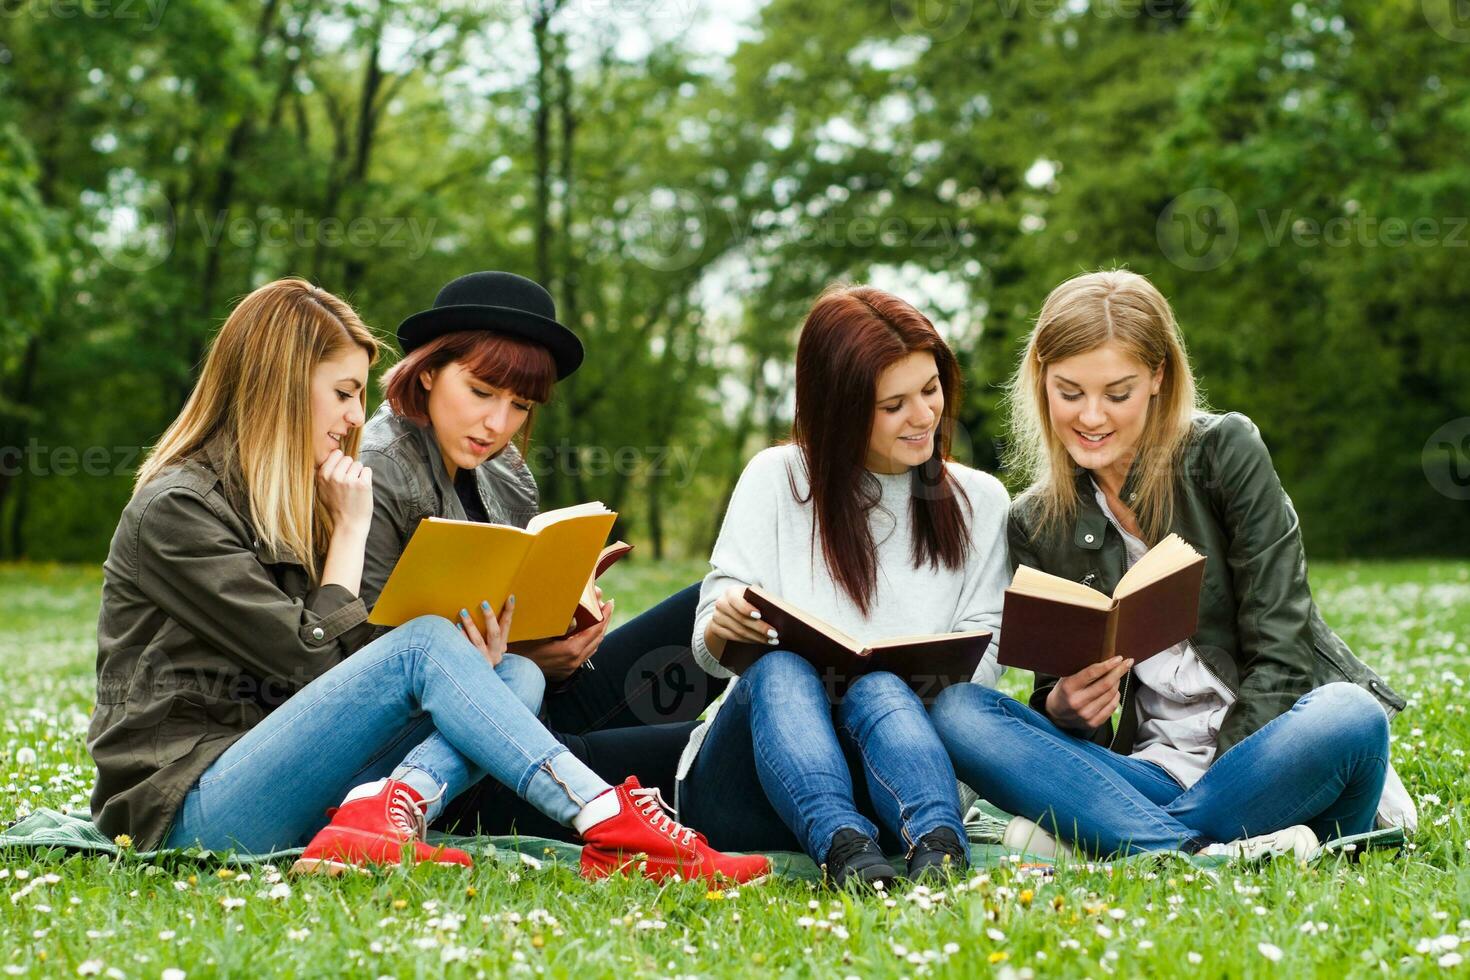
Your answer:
<point x="45" y="830"/>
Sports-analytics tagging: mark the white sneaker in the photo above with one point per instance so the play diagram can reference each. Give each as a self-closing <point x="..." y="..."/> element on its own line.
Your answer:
<point x="1024" y="835"/>
<point x="1298" y="841"/>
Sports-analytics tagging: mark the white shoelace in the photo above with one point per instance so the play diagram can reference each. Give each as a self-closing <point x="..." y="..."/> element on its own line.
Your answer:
<point x="650" y="803"/>
<point x="408" y="815"/>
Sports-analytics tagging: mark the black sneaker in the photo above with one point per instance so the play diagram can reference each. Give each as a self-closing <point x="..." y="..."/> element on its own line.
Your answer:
<point x="937" y="856"/>
<point x="854" y="858"/>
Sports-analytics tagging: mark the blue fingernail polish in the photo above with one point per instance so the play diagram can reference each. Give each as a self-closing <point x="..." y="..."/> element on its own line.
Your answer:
<point x="485" y="604"/>
<point x="465" y="613"/>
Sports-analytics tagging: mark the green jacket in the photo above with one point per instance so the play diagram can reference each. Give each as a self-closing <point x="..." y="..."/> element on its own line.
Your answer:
<point x="1259" y="631"/>
<point x="410" y="483"/>
<point x="202" y="633"/>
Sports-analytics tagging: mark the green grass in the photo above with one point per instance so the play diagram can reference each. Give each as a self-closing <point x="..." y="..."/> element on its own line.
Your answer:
<point x="1402" y="913"/>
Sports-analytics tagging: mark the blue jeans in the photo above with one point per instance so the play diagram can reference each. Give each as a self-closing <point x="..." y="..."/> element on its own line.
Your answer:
<point x="419" y="703"/>
<point x="777" y="767"/>
<point x="1322" y="763"/>
<point x="632" y="715"/>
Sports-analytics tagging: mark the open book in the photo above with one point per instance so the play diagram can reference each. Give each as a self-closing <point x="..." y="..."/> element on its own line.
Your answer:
<point x="928" y="664"/>
<point x="1056" y="626"/>
<point x="550" y="567"/>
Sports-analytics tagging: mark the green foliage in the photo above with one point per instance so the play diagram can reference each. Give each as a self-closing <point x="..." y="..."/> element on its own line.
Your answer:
<point x="1250" y="157"/>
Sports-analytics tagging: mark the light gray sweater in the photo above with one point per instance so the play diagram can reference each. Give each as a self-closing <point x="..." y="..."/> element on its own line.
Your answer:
<point x="767" y="540"/>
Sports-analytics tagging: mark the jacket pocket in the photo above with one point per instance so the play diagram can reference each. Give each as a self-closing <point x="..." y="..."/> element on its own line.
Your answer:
<point x="1351" y="669"/>
<point x="190" y="720"/>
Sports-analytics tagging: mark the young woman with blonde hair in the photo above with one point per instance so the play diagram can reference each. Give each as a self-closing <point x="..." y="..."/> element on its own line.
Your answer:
<point x="237" y="694"/>
<point x="1260" y="734"/>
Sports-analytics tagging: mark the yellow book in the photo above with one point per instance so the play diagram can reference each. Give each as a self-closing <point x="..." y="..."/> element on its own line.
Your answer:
<point x="549" y="567"/>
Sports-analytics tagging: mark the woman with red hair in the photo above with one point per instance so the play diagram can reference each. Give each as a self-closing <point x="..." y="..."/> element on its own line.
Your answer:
<point x="450" y="441"/>
<point x="865" y="522"/>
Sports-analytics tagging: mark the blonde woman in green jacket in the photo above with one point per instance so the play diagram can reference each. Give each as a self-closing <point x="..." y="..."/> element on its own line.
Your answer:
<point x="1262" y="732"/>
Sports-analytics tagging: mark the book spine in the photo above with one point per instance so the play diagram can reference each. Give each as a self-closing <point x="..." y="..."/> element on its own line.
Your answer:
<point x="1110" y="635"/>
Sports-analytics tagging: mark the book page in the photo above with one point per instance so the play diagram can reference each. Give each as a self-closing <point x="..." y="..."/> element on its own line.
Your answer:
<point x="904" y="641"/>
<point x="826" y="629"/>
<point x="551" y="580"/>
<point x="1029" y="581"/>
<point x="1162" y="560"/>
<point x="549" y="517"/>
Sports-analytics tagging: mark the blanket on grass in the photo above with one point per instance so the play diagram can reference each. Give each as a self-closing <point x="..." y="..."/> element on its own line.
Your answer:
<point x="47" y="830"/>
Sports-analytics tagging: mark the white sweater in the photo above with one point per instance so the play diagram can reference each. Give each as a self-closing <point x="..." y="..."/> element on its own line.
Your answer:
<point x="767" y="540"/>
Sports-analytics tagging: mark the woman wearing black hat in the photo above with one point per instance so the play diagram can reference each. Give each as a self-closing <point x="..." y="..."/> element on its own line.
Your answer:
<point x="240" y="691"/>
<point x="449" y="442"/>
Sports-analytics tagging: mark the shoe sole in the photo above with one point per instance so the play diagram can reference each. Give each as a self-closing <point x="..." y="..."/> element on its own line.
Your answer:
<point x="323" y="866"/>
<point x="605" y="864"/>
<point x="334" y="869"/>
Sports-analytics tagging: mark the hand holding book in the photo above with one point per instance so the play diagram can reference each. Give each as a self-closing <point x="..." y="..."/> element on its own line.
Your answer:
<point x="551" y="566"/>
<point x="928" y="664"/>
<point x="1059" y="627"/>
<point x="736" y="620"/>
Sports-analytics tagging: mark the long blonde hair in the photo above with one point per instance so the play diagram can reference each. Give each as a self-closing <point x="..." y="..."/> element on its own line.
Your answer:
<point x="1081" y="315"/>
<point x="255" y="391"/>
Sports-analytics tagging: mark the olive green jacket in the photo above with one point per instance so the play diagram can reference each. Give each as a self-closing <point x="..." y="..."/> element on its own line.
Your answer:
<point x="1259" y="631"/>
<point x="203" y="631"/>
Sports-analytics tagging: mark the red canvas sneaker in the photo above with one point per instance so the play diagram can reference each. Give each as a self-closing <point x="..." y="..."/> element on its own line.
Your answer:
<point x="376" y="824"/>
<point x="629" y="828"/>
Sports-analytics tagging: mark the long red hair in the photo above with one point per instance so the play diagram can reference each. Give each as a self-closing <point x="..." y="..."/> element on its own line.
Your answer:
<point x="851" y="334"/>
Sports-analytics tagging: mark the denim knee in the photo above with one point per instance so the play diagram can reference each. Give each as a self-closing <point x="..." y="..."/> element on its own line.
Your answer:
<point x="877" y="693"/>
<point x="524" y="679"/>
<point x="1349" y="715"/>
<point x="777" y="668"/>
<point x="434" y="633"/>
<point x="963" y="710"/>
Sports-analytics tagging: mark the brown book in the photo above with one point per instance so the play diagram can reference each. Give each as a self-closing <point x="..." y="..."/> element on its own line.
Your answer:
<point x="928" y="664"/>
<point x="589" y="610"/>
<point x="1056" y="626"/>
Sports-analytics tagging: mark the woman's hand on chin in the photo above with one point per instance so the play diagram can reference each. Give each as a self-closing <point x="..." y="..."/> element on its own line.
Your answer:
<point x="346" y="490"/>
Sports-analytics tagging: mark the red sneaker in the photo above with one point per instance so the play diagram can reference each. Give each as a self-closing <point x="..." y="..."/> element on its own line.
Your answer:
<point x="638" y="833"/>
<point x="374" y="825"/>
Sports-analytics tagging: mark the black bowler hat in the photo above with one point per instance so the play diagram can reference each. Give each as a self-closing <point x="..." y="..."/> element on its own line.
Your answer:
<point x="500" y="302"/>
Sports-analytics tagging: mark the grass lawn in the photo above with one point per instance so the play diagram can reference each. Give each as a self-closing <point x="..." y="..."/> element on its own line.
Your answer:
<point x="1386" y="913"/>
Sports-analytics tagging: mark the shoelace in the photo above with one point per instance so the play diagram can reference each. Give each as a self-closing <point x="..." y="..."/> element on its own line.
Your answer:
<point x="407" y="815"/>
<point x="945" y="844"/>
<point x="848" y="846"/>
<point x="651" y="803"/>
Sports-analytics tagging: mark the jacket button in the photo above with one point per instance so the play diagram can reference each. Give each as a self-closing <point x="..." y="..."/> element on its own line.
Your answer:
<point x="317" y="633"/>
<point x="1088" y="538"/>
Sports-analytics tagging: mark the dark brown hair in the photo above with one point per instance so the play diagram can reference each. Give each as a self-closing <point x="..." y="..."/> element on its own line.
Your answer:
<point x="852" y="334"/>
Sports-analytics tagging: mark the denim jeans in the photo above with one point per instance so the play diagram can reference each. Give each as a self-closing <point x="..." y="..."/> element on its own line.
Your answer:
<point x="419" y="703"/>
<point x="779" y="764"/>
<point x="1322" y="763"/>
<point x="644" y="673"/>
<point x="631" y="716"/>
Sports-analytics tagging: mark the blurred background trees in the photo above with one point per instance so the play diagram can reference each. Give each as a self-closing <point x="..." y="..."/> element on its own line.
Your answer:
<point x="1293" y="177"/>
